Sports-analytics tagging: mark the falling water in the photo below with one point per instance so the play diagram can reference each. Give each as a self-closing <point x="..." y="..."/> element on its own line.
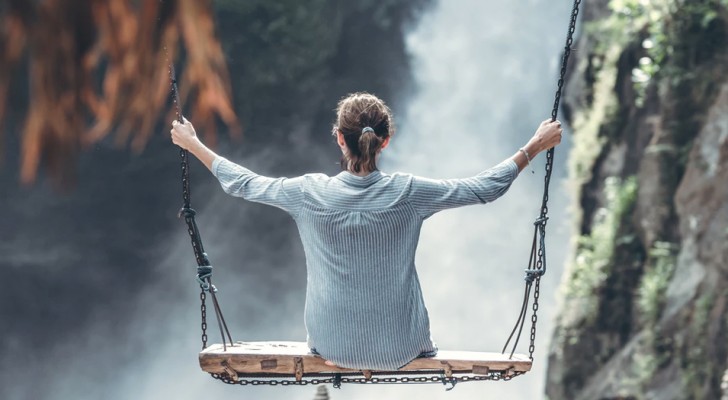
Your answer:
<point x="485" y="74"/>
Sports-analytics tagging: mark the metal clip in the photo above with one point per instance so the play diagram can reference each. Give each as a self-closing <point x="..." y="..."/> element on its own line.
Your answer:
<point x="337" y="381"/>
<point x="531" y="274"/>
<point x="445" y="381"/>
<point x="186" y="212"/>
<point x="204" y="272"/>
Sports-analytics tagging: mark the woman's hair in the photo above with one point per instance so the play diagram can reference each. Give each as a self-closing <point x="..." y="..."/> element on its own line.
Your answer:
<point x="354" y="113"/>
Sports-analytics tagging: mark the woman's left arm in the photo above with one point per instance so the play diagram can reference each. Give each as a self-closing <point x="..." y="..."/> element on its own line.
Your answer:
<point x="237" y="180"/>
<point x="184" y="136"/>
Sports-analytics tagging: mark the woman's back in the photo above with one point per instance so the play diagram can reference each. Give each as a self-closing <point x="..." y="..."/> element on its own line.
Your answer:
<point x="364" y="306"/>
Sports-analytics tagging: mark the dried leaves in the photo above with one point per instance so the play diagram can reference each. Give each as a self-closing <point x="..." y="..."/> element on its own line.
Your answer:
<point x="98" y="66"/>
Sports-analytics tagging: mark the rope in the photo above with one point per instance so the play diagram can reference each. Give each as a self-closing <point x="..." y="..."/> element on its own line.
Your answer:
<point x="204" y="269"/>
<point x="537" y="259"/>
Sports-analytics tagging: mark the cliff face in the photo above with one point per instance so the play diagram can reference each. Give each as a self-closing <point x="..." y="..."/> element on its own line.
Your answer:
<point x="645" y="297"/>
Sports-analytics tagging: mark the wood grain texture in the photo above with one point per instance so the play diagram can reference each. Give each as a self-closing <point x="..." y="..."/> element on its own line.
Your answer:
<point x="281" y="357"/>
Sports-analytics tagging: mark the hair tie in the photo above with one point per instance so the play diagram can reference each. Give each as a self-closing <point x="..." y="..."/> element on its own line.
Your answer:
<point x="368" y="129"/>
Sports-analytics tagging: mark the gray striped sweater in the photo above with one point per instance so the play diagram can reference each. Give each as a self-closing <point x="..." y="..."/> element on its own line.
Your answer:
<point x="364" y="306"/>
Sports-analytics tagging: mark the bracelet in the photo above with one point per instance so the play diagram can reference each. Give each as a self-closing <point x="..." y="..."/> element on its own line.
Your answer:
<point x="528" y="158"/>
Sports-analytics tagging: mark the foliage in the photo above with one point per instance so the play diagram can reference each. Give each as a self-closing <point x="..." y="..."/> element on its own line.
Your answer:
<point x="278" y="41"/>
<point x="651" y="297"/>
<point x="98" y="66"/>
<point x="291" y="58"/>
<point x="595" y="250"/>
<point x="661" y="25"/>
<point x="589" y="122"/>
<point x="674" y="51"/>
<point x="654" y="282"/>
<point x="695" y="369"/>
<point x="101" y="66"/>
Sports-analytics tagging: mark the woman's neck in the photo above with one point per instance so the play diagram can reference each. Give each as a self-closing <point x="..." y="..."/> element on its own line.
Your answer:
<point x="362" y="171"/>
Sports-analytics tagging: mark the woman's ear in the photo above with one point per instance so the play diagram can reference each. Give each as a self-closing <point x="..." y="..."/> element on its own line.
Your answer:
<point x="385" y="143"/>
<point x="340" y="139"/>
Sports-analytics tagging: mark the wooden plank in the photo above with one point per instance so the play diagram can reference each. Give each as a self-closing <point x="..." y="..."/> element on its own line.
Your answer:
<point x="282" y="357"/>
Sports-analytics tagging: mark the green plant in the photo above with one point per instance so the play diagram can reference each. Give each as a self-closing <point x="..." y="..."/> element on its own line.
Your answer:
<point x="695" y="369"/>
<point x="595" y="251"/>
<point x="654" y="282"/>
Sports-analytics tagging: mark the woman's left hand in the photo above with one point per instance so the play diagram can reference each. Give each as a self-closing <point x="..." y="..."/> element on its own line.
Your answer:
<point x="183" y="134"/>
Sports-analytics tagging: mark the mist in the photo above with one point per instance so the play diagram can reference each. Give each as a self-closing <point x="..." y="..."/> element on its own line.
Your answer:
<point x="484" y="76"/>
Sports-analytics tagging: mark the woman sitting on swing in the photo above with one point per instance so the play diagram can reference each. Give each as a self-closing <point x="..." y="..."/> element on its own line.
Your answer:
<point x="360" y="228"/>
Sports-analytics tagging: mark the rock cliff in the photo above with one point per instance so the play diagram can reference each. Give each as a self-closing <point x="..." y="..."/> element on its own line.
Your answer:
<point x="645" y="297"/>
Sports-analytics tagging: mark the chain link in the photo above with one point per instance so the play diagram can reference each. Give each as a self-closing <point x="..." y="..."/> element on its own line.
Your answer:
<point x="203" y="315"/>
<point x="204" y="270"/>
<point x="184" y="155"/>
<point x="565" y="58"/>
<point x="534" y="319"/>
<point x="386" y="379"/>
<point x="538" y="269"/>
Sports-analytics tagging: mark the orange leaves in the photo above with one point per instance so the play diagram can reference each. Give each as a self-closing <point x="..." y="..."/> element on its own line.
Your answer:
<point x="101" y="66"/>
<point x="205" y="59"/>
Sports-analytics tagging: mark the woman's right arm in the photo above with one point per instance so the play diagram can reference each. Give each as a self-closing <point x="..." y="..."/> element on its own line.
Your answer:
<point x="429" y="196"/>
<point x="547" y="135"/>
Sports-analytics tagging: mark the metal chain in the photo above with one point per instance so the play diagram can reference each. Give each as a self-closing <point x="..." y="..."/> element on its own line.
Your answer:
<point x="184" y="155"/>
<point x="388" y="379"/>
<point x="541" y="261"/>
<point x="204" y="269"/>
<point x="565" y="58"/>
<point x="188" y="213"/>
<point x="203" y="315"/>
<point x="534" y="318"/>
<point x="538" y="250"/>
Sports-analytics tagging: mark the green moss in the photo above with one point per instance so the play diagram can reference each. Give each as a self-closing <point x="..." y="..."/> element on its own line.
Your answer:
<point x="661" y="27"/>
<point x="644" y="366"/>
<point x="644" y="19"/>
<point x="651" y="296"/>
<point x="595" y="251"/>
<point x="608" y="38"/>
<point x="654" y="282"/>
<point x="591" y="124"/>
<point x="588" y="123"/>
<point x="696" y="370"/>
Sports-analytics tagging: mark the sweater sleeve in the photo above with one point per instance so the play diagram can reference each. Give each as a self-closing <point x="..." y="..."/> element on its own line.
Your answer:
<point x="429" y="196"/>
<point x="238" y="181"/>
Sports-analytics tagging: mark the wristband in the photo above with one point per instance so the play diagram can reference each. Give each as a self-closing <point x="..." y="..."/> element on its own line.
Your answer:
<point x="528" y="158"/>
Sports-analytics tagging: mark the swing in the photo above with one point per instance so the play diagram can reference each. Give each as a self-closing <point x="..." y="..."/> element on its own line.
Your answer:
<point x="292" y="363"/>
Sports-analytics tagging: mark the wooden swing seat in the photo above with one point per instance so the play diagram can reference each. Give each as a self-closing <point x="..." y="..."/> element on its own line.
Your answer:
<point x="293" y="359"/>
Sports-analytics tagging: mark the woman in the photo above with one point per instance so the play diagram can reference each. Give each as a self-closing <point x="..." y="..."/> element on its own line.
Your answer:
<point x="360" y="228"/>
